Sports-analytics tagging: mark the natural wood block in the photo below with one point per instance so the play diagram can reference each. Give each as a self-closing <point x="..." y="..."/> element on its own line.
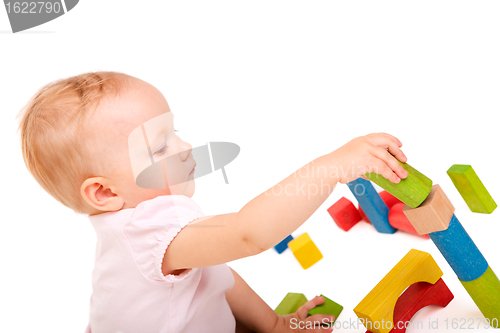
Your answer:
<point x="283" y="245"/>
<point x="378" y="305"/>
<point x="290" y="304"/>
<point x="399" y="220"/>
<point x="304" y="249"/>
<point x="416" y="297"/>
<point x="373" y="206"/>
<point x="471" y="188"/>
<point x="344" y="213"/>
<point x="412" y="190"/>
<point x="485" y="291"/>
<point x="460" y="252"/>
<point x="434" y="214"/>
<point x="328" y="307"/>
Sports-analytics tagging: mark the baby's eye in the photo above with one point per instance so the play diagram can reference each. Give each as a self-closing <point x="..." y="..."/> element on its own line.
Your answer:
<point x="161" y="150"/>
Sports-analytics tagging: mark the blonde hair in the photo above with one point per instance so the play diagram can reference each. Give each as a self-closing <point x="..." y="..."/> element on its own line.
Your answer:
<point x="53" y="140"/>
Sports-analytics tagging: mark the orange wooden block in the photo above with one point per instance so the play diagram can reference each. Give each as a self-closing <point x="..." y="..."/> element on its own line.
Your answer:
<point x="434" y="214"/>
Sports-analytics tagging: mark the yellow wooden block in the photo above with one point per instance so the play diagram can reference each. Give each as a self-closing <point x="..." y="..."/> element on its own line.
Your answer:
<point x="434" y="214"/>
<point x="305" y="250"/>
<point x="377" y="308"/>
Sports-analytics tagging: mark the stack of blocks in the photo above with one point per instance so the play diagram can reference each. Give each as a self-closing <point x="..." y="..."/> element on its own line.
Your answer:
<point x="419" y="276"/>
<point x="431" y="212"/>
<point x="293" y="301"/>
<point x="385" y="210"/>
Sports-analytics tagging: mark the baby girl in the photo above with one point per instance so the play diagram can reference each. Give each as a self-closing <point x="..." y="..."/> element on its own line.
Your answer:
<point x="160" y="263"/>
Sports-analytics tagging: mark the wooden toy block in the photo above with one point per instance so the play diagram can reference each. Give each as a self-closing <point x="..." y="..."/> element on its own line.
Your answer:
<point x="373" y="206"/>
<point x="416" y="297"/>
<point x="399" y="220"/>
<point x="283" y="245"/>
<point x="328" y="307"/>
<point x="344" y="213"/>
<point x="389" y="200"/>
<point x="290" y="304"/>
<point x="434" y="214"/>
<point x="363" y="215"/>
<point x="460" y="252"/>
<point x="485" y="291"/>
<point x="378" y="305"/>
<point x="471" y="189"/>
<point x="304" y="249"/>
<point x="412" y="190"/>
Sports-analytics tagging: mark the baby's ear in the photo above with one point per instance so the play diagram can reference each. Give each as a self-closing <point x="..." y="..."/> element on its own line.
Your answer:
<point x="96" y="193"/>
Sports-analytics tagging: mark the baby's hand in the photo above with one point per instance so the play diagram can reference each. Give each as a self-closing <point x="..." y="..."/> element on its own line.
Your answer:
<point x="370" y="153"/>
<point x="299" y="322"/>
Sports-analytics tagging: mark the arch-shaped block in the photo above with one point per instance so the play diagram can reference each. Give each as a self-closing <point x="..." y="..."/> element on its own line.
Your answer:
<point x="417" y="297"/>
<point x="460" y="252"/>
<point x="378" y="306"/>
<point x="374" y="207"/>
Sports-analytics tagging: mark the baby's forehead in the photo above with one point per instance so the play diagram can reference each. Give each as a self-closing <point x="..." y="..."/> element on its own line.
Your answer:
<point x="141" y="104"/>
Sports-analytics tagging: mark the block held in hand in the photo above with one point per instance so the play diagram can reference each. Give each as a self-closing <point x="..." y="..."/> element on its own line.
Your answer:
<point x="412" y="190"/>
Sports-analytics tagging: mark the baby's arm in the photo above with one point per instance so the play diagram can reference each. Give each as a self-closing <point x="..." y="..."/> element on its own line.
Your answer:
<point x="276" y="213"/>
<point x="252" y="314"/>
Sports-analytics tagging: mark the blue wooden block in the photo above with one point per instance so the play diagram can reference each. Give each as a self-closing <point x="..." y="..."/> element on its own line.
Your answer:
<point x="283" y="245"/>
<point x="459" y="250"/>
<point x="372" y="204"/>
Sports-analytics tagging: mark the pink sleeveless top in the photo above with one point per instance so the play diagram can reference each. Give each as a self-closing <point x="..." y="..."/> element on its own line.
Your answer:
<point x="129" y="292"/>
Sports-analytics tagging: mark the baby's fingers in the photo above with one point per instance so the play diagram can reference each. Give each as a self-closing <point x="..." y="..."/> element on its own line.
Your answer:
<point x="391" y="162"/>
<point x="393" y="137"/>
<point x="304" y="309"/>
<point x="380" y="167"/>
<point x="390" y="143"/>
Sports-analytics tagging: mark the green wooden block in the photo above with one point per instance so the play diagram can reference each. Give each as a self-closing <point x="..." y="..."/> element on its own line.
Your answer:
<point x="412" y="190"/>
<point x="328" y="307"/>
<point x="471" y="189"/>
<point x="485" y="291"/>
<point x="290" y="304"/>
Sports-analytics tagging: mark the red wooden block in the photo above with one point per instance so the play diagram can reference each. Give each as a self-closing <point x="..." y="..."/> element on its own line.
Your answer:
<point x="389" y="200"/>
<point x="399" y="220"/>
<point x="416" y="297"/>
<point x="344" y="213"/>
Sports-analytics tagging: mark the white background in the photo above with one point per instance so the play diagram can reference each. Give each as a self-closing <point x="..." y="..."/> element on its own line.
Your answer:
<point x="288" y="81"/>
